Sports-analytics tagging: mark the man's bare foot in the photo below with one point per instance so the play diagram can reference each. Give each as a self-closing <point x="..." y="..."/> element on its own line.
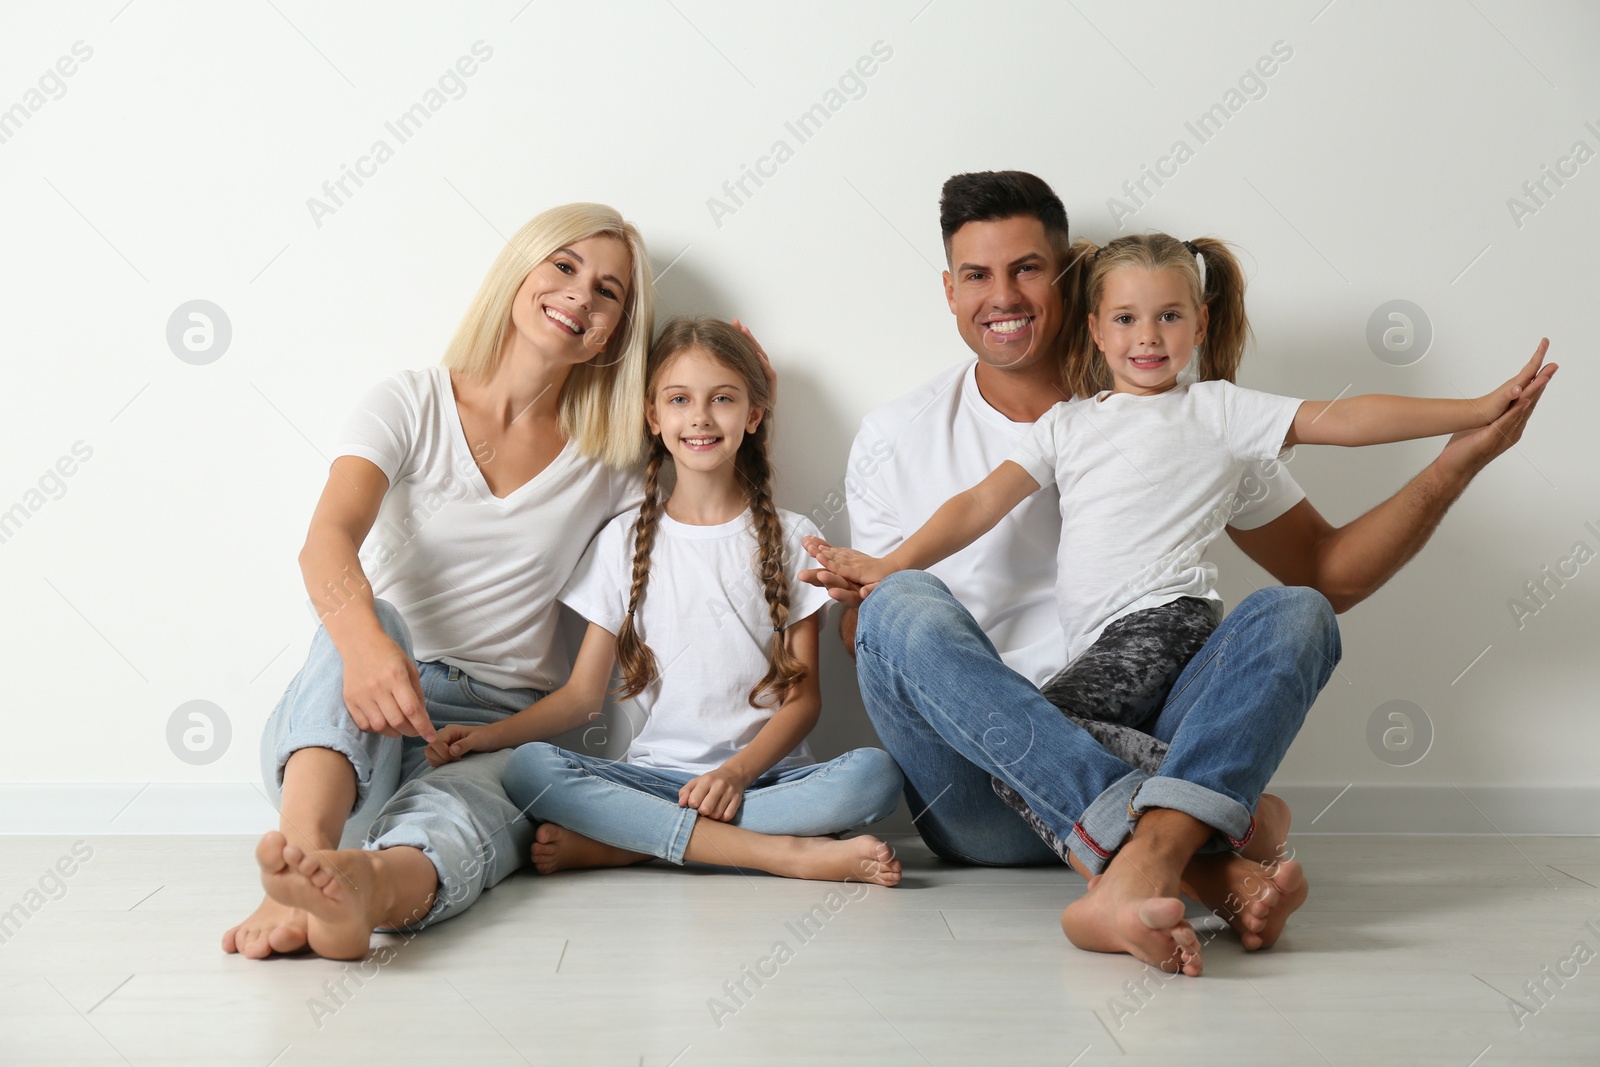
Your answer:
<point x="271" y="928"/>
<point x="1127" y="910"/>
<point x="337" y="891"/>
<point x="1270" y="842"/>
<point x="1254" y="899"/>
<point x="555" y="848"/>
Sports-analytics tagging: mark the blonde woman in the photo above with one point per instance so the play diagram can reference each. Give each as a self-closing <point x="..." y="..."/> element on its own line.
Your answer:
<point x="480" y="483"/>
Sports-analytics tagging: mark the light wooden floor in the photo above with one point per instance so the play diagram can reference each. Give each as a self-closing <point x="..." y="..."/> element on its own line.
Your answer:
<point x="1407" y="953"/>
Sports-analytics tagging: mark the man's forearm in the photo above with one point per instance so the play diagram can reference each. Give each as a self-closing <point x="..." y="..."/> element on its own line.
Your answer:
<point x="847" y="630"/>
<point x="1356" y="559"/>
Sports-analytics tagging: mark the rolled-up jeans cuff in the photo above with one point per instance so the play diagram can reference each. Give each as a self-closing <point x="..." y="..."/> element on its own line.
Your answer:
<point x="447" y="896"/>
<point x="339" y="741"/>
<point x="1106" y="823"/>
<point x="1233" y="822"/>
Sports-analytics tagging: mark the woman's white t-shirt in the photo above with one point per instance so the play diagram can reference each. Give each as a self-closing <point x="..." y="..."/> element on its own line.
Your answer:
<point x="1145" y="484"/>
<point x="475" y="576"/>
<point x="704" y="615"/>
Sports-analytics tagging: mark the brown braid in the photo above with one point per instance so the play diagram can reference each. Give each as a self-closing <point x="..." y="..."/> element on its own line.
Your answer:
<point x="638" y="663"/>
<point x="771" y="567"/>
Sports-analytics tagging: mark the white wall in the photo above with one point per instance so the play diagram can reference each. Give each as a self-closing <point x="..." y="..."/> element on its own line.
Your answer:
<point x="178" y="161"/>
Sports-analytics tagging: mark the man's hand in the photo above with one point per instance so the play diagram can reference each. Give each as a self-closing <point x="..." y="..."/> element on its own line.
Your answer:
<point x="715" y="794"/>
<point x="1471" y="450"/>
<point x="455" y="741"/>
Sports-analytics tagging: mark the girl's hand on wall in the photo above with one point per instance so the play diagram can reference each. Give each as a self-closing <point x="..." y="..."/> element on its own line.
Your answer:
<point x="455" y="741"/>
<point x="715" y="794"/>
<point x="383" y="691"/>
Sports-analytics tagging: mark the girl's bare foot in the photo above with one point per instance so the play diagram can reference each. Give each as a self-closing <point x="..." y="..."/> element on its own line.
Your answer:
<point x="272" y="927"/>
<point x="555" y="848"/>
<point x="1255" y="899"/>
<point x="856" y="859"/>
<point x="337" y="891"/>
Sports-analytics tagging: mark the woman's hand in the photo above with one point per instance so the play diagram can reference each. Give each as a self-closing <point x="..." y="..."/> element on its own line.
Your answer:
<point x="456" y="740"/>
<point x="858" y="568"/>
<point x="382" y="689"/>
<point x="715" y="794"/>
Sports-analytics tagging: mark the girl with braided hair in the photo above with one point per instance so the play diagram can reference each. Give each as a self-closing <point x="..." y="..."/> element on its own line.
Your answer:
<point x="695" y="597"/>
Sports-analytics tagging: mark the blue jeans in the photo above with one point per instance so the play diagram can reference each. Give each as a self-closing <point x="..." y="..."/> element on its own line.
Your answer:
<point x="952" y="714"/>
<point x="456" y="815"/>
<point x="635" y="807"/>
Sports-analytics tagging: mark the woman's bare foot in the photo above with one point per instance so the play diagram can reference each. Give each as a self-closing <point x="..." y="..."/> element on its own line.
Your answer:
<point x="1254" y="899"/>
<point x="337" y="891"/>
<point x="555" y="848"/>
<point x="271" y="928"/>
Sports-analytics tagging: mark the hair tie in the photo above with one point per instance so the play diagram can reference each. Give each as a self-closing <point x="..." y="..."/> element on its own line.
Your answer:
<point x="1096" y="257"/>
<point x="1193" y="251"/>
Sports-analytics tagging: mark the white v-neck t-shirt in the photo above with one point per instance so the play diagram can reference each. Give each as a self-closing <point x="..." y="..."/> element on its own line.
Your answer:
<point x="704" y="615"/>
<point x="475" y="576"/>
<point x="917" y="451"/>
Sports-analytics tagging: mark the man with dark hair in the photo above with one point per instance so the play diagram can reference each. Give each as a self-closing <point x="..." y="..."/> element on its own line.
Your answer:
<point x="950" y="660"/>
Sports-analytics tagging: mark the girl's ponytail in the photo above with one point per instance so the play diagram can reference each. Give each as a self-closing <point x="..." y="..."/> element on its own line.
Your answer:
<point x="1083" y="372"/>
<point x="1229" y="327"/>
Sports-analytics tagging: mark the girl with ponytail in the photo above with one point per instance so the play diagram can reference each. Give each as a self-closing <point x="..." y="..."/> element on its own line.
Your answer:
<point x="695" y="598"/>
<point x="1148" y="464"/>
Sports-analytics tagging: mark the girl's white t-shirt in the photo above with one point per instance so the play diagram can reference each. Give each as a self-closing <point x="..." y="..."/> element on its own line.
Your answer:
<point x="919" y="450"/>
<point x="475" y="576"/>
<point x="704" y="615"/>
<point x="1145" y="484"/>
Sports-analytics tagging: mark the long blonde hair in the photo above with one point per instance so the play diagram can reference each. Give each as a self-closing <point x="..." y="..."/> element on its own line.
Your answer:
<point x="1221" y="293"/>
<point x="599" y="403"/>
<point x="736" y="352"/>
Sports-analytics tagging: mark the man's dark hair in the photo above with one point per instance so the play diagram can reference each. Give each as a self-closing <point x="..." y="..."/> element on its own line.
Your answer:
<point x="992" y="195"/>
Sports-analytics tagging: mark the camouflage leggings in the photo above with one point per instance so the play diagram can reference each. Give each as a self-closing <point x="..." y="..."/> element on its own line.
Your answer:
<point x="1116" y="689"/>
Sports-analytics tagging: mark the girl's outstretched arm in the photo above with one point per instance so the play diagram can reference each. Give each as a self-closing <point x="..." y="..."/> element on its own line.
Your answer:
<point x="1377" y="418"/>
<point x="717" y="794"/>
<point x="574" y="704"/>
<point x="959" y="521"/>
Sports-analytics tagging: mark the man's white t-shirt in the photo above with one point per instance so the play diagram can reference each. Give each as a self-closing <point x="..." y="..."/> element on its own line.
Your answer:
<point x="704" y="615"/>
<point x="1145" y="484"/>
<point x="475" y="576"/>
<point x="914" y="453"/>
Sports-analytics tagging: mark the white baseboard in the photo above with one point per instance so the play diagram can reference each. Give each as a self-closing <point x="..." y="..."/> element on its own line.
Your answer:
<point x="81" y="808"/>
